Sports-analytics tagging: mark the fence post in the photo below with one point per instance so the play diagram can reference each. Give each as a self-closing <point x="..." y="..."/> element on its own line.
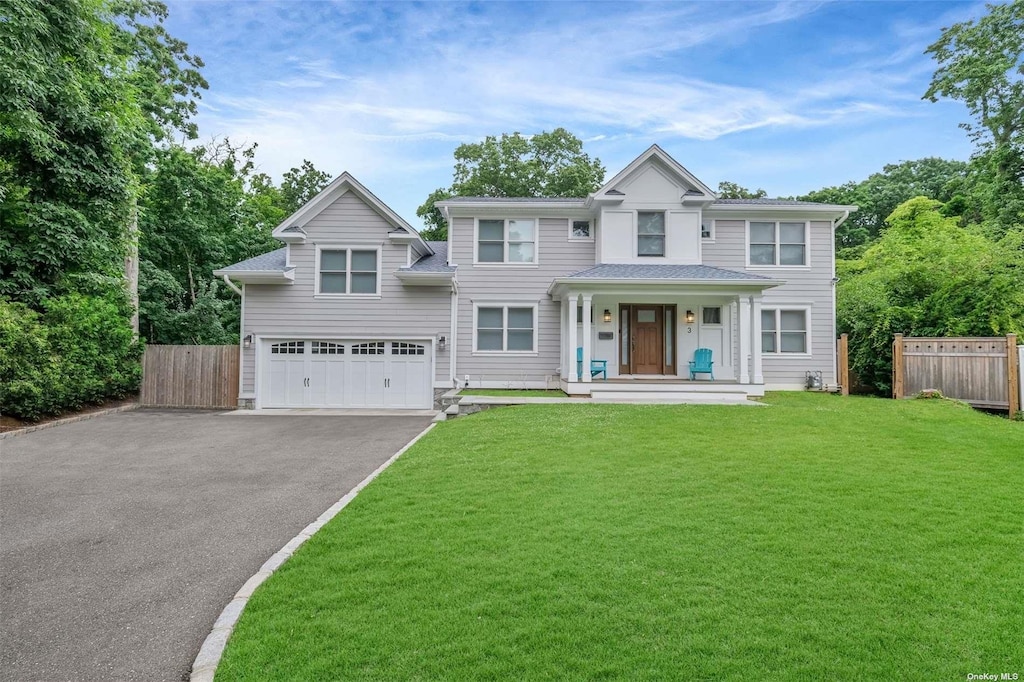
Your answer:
<point x="897" y="366"/>
<point x="1012" y="375"/>
<point x="844" y="364"/>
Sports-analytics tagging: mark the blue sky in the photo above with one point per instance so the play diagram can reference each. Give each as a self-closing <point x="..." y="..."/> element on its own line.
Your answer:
<point x="788" y="96"/>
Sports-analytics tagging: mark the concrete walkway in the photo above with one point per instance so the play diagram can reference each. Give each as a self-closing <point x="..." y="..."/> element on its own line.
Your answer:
<point x="124" y="536"/>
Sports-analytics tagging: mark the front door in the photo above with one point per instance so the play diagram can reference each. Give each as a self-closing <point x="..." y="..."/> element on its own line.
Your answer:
<point x="647" y="342"/>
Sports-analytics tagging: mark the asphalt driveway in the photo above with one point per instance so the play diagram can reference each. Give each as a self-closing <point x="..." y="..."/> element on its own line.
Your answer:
<point x="122" y="537"/>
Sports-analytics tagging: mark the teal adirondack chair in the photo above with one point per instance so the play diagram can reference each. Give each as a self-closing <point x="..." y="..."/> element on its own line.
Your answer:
<point x="701" y="364"/>
<point x="596" y="366"/>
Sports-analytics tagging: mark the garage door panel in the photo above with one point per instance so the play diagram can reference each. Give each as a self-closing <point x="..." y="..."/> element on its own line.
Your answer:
<point x="338" y="373"/>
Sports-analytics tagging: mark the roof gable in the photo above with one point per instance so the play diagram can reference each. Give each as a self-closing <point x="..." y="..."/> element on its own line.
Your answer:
<point x="291" y="227"/>
<point x="668" y="167"/>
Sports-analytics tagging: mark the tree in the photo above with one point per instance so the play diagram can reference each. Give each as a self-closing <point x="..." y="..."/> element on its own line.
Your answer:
<point x="730" y="190"/>
<point x="981" y="63"/>
<point x="880" y="194"/>
<point x="927" y="276"/>
<point x="300" y="185"/>
<point x="549" y="164"/>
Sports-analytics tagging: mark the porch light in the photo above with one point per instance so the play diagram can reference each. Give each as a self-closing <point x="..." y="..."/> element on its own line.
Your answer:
<point x="690" y="317"/>
<point x="607" y="315"/>
<point x="247" y="341"/>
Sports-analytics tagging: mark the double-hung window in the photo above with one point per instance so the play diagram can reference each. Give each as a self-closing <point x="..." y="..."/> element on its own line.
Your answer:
<point x="347" y="271"/>
<point x="783" y="331"/>
<point x="506" y="328"/>
<point x="778" y="243"/>
<point x="507" y="241"/>
<point x="650" y="234"/>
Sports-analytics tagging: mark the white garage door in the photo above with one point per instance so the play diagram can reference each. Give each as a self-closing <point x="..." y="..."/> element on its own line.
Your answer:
<point x="391" y="374"/>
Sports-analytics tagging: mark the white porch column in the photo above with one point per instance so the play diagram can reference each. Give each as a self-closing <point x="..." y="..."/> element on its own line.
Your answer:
<point x="571" y="304"/>
<point x="755" y="338"/>
<point x="587" y="334"/>
<point x="743" y="332"/>
<point x="563" y="341"/>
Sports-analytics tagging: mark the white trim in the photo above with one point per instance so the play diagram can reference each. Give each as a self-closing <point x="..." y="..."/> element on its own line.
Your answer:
<point x="778" y="245"/>
<point x="453" y="338"/>
<point x="806" y="308"/>
<point x="636" y="236"/>
<point x="505" y="241"/>
<point x="835" y="285"/>
<point x="572" y="238"/>
<point x="348" y="249"/>
<point x="505" y="305"/>
<point x="654" y="151"/>
<point x="711" y="238"/>
<point x="241" y="345"/>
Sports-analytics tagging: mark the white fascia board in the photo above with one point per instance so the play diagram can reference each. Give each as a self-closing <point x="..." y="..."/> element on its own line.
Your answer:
<point x="425" y="279"/>
<point x="753" y="211"/>
<point x="460" y="207"/>
<point x="654" y="151"/>
<point x="659" y="285"/>
<point x="259" y="276"/>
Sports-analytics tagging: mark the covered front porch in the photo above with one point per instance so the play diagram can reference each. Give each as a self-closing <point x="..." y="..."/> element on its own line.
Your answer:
<point x="637" y="337"/>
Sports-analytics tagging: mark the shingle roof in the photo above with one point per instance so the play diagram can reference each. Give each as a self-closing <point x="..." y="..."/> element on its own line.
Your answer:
<point x="438" y="262"/>
<point x="531" y="200"/>
<point x="275" y="260"/>
<point x="640" y="271"/>
<point x="764" y="201"/>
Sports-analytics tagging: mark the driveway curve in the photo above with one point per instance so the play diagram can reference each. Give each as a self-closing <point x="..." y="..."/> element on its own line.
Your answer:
<point x="123" y="537"/>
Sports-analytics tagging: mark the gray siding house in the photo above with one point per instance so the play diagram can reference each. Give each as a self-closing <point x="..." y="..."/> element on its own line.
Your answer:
<point x="358" y="311"/>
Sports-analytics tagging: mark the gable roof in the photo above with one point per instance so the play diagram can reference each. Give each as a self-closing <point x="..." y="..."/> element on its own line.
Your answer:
<point x="291" y="227"/>
<point x="676" y="168"/>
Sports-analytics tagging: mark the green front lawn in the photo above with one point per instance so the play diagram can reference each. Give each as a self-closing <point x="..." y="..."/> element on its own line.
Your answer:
<point x="818" y="538"/>
<point x="514" y="392"/>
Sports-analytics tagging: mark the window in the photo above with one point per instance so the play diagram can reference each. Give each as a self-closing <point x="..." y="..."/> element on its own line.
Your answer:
<point x="288" y="348"/>
<point x="783" y="331"/>
<point x="506" y="241"/>
<point x="650" y="234"/>
<point x="505" y="328"/>
<point x="580" y="229"/>
<point x="707" y="229"/>
<point x="711" y="315"/>
<point x="371" y="348"/>
<point x="398" y="348"/>
<point x="327" y="348"/>
<point x="348" y="271"/>
<point x="781" y="243"/>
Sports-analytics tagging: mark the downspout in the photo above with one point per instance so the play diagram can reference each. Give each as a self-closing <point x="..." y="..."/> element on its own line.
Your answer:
<point x="846" y="214"/>
<point x="231" y="285"/>
<point x="453" y="345"/>
<point x="835" y="303"/>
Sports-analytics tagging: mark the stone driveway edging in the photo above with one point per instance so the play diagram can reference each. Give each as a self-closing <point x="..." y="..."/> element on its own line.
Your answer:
<point x="69" y="420"/>
<point x="205" y="666"/>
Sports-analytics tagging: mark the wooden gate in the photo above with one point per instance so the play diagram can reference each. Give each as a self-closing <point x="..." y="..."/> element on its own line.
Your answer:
<point x="190" y="376"/>
<point x="979" y="371"/>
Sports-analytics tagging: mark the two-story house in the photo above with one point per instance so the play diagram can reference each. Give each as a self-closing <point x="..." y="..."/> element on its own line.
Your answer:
<point x="358" y="311"/>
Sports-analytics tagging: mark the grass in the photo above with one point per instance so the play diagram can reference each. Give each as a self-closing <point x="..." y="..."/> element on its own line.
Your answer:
<point x="821" y="537"/>
<point x="514" y="392"/>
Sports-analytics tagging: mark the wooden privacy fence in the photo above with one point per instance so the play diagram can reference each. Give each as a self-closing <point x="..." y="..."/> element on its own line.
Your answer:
<point x="190" y="376"/>
<point x="981" y="371"/>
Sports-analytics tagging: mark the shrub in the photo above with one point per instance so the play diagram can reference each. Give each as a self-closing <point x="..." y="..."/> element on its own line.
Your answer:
<point x="80" y="350"/>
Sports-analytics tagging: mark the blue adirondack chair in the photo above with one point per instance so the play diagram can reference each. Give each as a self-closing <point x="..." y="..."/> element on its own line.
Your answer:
<point x="701" y="364"/>
<point x="596" y="366"/>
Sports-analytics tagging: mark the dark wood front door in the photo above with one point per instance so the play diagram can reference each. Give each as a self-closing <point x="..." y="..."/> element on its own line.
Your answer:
<point x="647" y="342"/>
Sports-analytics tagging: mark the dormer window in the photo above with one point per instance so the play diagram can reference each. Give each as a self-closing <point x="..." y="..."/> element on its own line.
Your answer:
<point x="506" y="241"/>
<point x="650" y="234"/>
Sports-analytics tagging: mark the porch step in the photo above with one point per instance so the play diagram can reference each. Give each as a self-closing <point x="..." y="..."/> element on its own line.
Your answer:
<point x="672" y="397"/>
<point x="599" y="386"/>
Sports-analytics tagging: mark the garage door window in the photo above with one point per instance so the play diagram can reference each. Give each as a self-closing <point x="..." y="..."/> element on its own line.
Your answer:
<point x="288" y="348"/>
<point x="327" y="348"/>
<point x="347" y="271"/>
<point x="505" y="329"/>
<point x="373" y="348"/>
<point x="398" y="348"/>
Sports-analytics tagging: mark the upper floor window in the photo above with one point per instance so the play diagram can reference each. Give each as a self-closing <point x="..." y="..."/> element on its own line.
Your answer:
<point x="650" y="234"/>
<point x="506" y="241"/>
<point x="778" y="243"/>
<point x="347" y="271"/>
<point x="580" y="229"/>
<point x="707" y="229"/>
<point x="783" y="331"/>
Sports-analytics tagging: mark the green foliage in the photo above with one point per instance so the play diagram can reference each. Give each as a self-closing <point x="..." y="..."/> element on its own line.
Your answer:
<point x="927" y="276"/>
<point x="730" y="190"/>
<point x="80" y="350"/>
<point x="301" y="184"/>
<point x="549" y="164"/>
<point x="882" y="192"/>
